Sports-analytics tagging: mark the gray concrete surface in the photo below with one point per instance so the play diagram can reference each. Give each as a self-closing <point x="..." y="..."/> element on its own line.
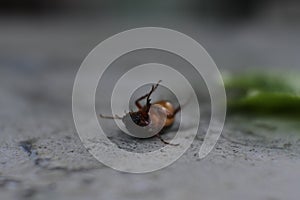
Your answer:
<point x="41" y="156"/>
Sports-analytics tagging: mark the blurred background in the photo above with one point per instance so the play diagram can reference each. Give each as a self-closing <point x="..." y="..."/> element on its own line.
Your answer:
<point x="45" y="41"/>
<point x="250" y="33"/>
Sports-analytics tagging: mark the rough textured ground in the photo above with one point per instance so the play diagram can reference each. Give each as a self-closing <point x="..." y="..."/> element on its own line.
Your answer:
<point x="41" y="156"/>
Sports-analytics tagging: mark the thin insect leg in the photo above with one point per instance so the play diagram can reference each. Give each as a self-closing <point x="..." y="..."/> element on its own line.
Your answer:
<point x="175" y="112"/>
<point x="179" y="108"/>
<point x="111" y="117"/>
<point x="152" y="90"/>
<point x="137" y="102"/>
<point x="165" y="142"/>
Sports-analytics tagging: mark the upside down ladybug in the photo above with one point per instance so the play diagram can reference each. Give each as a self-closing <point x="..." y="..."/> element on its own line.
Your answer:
<point x="143" y="117"/>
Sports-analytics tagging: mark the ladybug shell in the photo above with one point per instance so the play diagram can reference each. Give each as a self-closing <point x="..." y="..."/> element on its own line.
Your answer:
<point x="168" y="108"/>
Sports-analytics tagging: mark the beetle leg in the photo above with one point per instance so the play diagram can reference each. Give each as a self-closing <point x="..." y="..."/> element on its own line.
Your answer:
<point x="175" y="112"/>
<point x="154" y="87"/>
<point x="137" y="102"/>
<point x="110" y="117"/>
<point x="165" y="142"/>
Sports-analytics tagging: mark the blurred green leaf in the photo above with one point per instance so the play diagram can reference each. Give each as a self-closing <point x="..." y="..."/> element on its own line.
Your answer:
<point x="263" y="93"/>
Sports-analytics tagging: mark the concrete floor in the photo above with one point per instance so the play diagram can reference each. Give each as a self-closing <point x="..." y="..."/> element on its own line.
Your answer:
<point x="41" y="156"/>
